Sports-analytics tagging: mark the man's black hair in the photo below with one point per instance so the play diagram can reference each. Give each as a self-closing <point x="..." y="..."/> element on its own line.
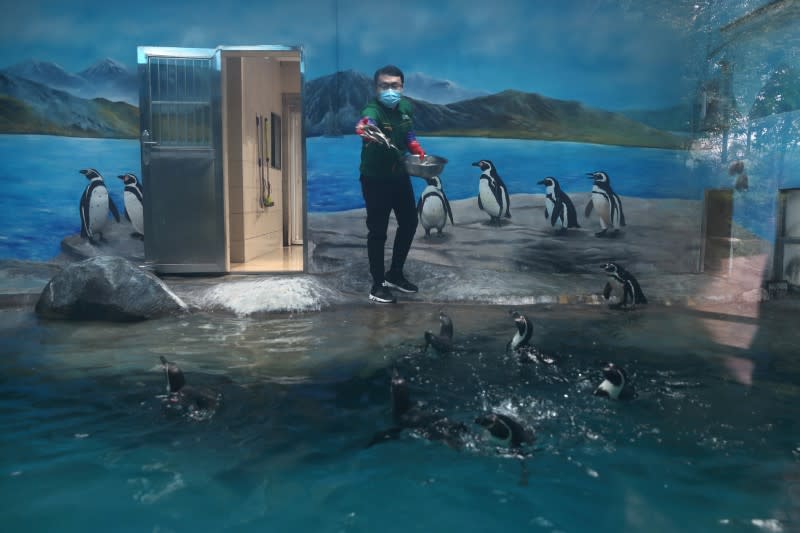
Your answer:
<point x="389" y="70"/>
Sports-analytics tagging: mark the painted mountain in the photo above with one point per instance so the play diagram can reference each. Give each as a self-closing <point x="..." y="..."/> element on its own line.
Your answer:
<point x="107" y="79"/>
<point x="420" y="86"/>
<point x="30" y="107"/>
<point x="332" y="104"/>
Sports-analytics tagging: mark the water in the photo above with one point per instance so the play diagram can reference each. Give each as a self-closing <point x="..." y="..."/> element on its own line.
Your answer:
<point x="86" y="444"/>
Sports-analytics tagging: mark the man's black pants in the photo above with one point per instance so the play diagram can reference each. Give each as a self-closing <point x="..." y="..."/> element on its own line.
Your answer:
<point x="381" y="197"/>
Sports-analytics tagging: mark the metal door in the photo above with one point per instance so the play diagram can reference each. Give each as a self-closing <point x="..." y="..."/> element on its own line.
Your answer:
<point x="181" y="147"/>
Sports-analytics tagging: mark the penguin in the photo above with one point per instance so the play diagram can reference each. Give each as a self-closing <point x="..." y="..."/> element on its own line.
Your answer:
<point x="134" y="203"/>
<point x="198" y="403"/>
<point x="424" y="422"/>
<point x="506" y="431"/>
<point x="492" y="192"/>
<point x="607" y="203"/>
<point x="615" y="384"/>
<point x="443" y="342"/>
<point x="558" y="207"/>
<point x="433" y="208"/>
<point x="632" y="293"/>
<point x="519" y="344"/>
<point x="95" y="205"/>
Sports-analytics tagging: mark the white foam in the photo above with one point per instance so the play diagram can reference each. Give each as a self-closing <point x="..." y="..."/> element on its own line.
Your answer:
<point x="273" y="294"/>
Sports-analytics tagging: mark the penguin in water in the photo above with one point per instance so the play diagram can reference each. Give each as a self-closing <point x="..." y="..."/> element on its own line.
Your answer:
<point x="134" y="203"/>
<point x="520" y="342"/>
<point x="95" y="205"/>
<point x="615" y="384"/>
<point x="607" y="203"/>
<point x="506" y="431"/>
<point x="558" y="207"/>
<point x="198" y="403"/>
<point x="631" y="291"/>
<point x="433" y="208"/>
<point x="429" y="424"/>
<point x="492" y="192"/>
<point x="443" y="342"/>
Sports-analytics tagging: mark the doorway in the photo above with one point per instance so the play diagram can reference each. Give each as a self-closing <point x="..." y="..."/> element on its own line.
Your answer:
<point x="786" y="265"/>
<point x="716" y="251"/>
<point x="223" y="159"/>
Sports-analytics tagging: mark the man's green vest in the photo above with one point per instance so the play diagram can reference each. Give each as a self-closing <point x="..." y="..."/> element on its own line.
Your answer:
<point x="378" y="161"/>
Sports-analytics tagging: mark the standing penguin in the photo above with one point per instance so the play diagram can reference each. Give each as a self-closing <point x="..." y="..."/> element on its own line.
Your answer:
<point x="433" y="207"/>
<point x="615" y="384"/>
<point x="558" y="207"/>
<point x="95" y="205"/>
<point x="443" y="342"/>
<point x="631" y="291"/>
<point x="607" y="203"/>
<point x="134" y="203"/>
<point x="492" y="192"/>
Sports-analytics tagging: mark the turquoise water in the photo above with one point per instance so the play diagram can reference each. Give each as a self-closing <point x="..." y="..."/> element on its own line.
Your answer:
<point x="710" y="444"/>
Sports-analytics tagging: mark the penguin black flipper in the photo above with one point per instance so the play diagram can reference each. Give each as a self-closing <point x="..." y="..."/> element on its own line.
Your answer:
<point x="508" y="200"/>
<point x="572" y="215"/>
<point x="558" y="212"/>
<point x="86" y="232"/>
<point x="113" y="208"/>
<point x="480" y="204"/>
<point x="607" y="290"/>
<point x="419" y="206"/>
<point x="588" y="210"/>
<point x="127" y="216"/>
<point x="497" y="192"/>
<point x="621" y="212"/>
<point x="447" y="208"/>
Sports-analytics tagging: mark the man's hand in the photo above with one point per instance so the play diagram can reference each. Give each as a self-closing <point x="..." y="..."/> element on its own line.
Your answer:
<point x="360" y="125"/>
<point x="415" y="148"/>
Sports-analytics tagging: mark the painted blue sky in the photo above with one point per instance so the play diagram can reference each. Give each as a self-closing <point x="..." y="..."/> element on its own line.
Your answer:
<point x="611" y="54"/>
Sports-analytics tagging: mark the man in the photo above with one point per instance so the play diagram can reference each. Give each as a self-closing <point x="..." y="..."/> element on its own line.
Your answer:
<point x="385" y="183"/>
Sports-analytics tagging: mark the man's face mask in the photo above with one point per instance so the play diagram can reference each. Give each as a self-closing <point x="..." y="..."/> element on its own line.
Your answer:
<point x="389" y="97"/>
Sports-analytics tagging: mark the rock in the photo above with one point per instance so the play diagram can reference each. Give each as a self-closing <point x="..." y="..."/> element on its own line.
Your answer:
<point x="107" y="288"/>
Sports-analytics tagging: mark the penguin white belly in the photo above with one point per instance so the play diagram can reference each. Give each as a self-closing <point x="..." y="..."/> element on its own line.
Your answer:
<point x="603" y="208"/>
<point x="433" y="213"/>
<point x="134" y="208"/>
<point x="488" y="200"/>
<point x="98" y="210"/>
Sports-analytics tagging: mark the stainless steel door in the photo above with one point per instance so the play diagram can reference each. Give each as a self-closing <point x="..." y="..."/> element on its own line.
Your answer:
<point x="181" y="147"/>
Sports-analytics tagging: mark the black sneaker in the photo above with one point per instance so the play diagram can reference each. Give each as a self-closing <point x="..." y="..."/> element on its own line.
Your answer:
<point x="381" y="294"/>
<point x="399" y="282"/>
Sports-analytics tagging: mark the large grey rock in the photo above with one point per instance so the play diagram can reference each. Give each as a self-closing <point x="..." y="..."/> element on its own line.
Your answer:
<point x="107" y="288"/>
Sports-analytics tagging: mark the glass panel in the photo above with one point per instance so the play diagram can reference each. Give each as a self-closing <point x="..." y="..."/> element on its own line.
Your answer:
<point x="180" y="99"/>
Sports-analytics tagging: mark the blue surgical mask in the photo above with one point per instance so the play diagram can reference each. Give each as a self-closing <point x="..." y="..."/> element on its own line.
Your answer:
<point x="390" y="98"/>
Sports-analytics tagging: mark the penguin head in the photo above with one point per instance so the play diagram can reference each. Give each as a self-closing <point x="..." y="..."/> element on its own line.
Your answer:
<point x="495" y="426"/>
<point x="174" y="376"/>
<point x="483" y="164"/>
<point x="599" y="178"/>
<point x="90" y="173"/>
<point x="549" y="181"/>
<point x="434" y="181"/>
<point x="611" y="268"/>
<point x="128" y="179"/>
<point x="447" y="325"/>
<point x="524" y="330"/>
<point x="614" y="381"/>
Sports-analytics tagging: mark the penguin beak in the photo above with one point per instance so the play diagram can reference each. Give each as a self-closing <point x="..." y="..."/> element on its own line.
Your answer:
<point x="540" y="182"/>
<point x="590" y="175"/>
<point x="476" y="164"/>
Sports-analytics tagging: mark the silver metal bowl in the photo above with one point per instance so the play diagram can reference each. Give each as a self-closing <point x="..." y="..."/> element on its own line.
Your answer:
<point x="430" y="166"/>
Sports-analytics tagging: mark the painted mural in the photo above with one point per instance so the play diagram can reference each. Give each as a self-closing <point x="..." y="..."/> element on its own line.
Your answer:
<point x="609" y="123"/>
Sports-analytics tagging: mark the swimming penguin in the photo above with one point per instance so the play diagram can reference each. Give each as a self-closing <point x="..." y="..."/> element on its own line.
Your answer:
<point x="506" y="431"/>
<point x="425" y="422"/>
<point x="606" y="202"/>
<point x="558" y="207"/>
<point x="492" y="192"/>
<point x="631" y="291"/>
<point x="615" y="384"/>
<point x="443" y="342"/>
<point x="134" y="203"/>
<point x="433" y="207"/>
<point x="520" y="342"/>
<point x="199" y="403"/>
<point x="95" y="205"/>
